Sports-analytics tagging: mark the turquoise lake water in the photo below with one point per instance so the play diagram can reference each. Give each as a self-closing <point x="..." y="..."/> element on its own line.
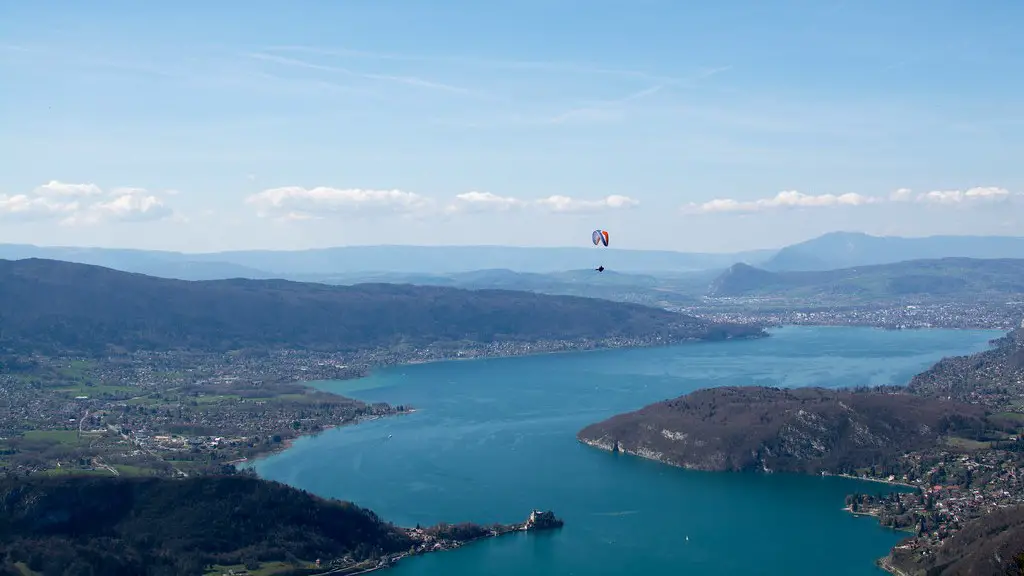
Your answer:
<point x="493" y="439"/>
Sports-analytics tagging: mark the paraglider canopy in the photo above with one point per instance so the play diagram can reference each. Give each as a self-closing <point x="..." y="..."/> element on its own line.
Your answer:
<point x="600" y="237"/>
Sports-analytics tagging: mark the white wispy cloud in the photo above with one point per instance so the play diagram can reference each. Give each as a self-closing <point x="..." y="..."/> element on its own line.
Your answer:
<point x="400" y="79"/>
<point x="602" y="108"/>
<point x="75" y="204"/>
<point x="495" y="63"/>
<point x="794" y="199"/>
<point x="296" y="202"/>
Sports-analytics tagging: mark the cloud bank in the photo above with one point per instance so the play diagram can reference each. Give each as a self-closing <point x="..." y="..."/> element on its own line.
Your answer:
<point x="83" y="204"/>
<point x="790" y="199"/>
<point x="298" y="203"/>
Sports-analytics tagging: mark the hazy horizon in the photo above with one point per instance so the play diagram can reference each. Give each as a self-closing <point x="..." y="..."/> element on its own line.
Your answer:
<point x="482" y="245"/>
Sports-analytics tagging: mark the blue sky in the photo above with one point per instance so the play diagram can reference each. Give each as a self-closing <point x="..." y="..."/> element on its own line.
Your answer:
<point x="678" y="125"/>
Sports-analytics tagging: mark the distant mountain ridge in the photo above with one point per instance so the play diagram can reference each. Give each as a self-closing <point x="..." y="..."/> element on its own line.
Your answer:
<point x="945" y="277"/>
<point x="848" y="249"/>
<point x="48" y="305"/>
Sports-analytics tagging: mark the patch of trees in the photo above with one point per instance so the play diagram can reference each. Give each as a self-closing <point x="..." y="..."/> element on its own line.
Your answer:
<point x="130" y="526"/>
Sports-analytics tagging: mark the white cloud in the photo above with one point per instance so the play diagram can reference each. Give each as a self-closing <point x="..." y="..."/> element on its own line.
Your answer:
<point x="786" y="199"/>
<point x="981" y="193"/>
<point x="133" y="206"/>
<point x="131" y="190"/>
<point x="567" y="204"/>
<point x="294" y="202"/>
<point x="53" y="188"/>
<point x="27" y="208"/>
<point x="79" y="204"/>
<point x="902" y="195"/>
<point x="483" y="201"/>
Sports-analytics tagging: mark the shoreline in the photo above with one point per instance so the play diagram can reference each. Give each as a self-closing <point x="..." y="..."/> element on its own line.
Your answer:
<point x="606" y="447"/>
<point x="654" y="457"/>
<point x="447" y="545"/>
<point x="532" y="353"/>
<point x="287" y="443"/>
<point x="877" y="480"/>
<point x="367" y="370"/>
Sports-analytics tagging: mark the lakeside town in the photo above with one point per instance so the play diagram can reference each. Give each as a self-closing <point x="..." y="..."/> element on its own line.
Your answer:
<point x="177" y="413"/>
<point x="941" y="489"/>
<point x="979" y="315"/>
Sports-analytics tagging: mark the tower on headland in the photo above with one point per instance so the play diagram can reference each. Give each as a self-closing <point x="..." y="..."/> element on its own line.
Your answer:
<point x="542" y="520"/>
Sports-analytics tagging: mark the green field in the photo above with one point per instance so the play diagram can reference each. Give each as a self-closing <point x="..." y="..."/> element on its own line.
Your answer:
<point x="1012" y="416"/>
<point x="68" y="437"/>
<point x="77" y="369"/>
<point x="967" y="444"/>
<point x="69" y="471"/>
<point x="95" y="389"/>
<point x="265" y="569"/>
<point x="25" y="570"/>
<point x="128" y="470"/>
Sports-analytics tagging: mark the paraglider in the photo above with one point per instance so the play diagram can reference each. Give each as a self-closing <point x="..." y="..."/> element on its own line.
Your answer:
<point x="600" y="237"/>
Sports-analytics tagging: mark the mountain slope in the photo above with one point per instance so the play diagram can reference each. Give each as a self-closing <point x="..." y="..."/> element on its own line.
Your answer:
<point x="118" y="526"/>
<point x="848" y="249"/>
<point x="946" y="277"/>
<point x="47" y="305"/>
<point x="993" y="544"/>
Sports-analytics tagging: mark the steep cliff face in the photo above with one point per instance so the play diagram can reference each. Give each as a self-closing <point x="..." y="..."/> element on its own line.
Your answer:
<point x="799" y="430"/>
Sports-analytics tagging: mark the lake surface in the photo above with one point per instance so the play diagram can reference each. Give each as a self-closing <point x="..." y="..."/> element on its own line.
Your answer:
<point x="493" y="439"/>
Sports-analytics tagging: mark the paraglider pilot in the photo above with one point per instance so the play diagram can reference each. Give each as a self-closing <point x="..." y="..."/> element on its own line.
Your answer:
<point x="600" y="237"/>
